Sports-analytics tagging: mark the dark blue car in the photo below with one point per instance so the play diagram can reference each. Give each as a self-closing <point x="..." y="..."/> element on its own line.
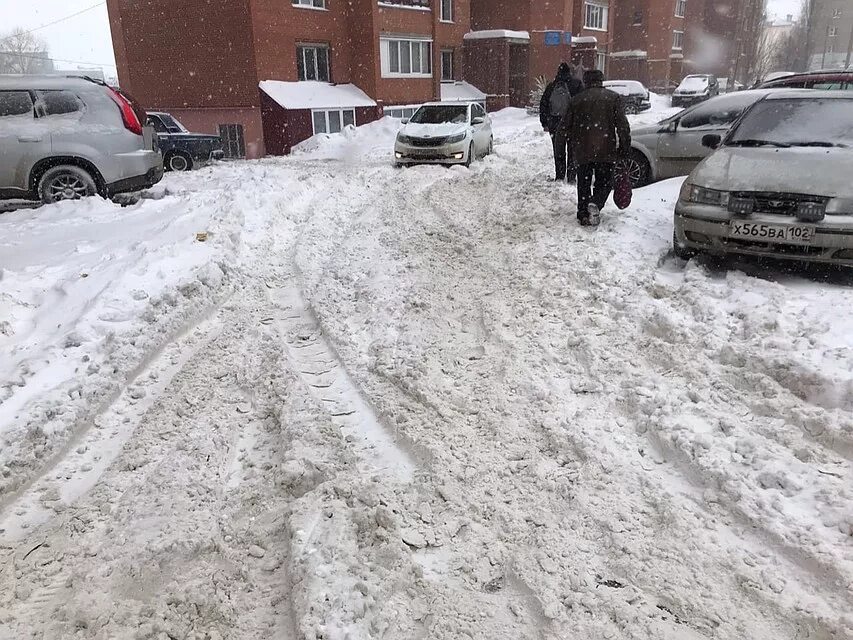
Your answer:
<point x="181" y="149"/>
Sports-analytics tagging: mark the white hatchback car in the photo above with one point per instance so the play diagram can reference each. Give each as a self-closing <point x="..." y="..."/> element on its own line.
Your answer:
<point x="445" y="133"/>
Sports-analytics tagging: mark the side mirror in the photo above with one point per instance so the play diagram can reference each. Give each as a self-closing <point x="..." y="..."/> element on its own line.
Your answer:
<point x="671" y="127"/>
<point x="711" y="140"/>
<point x="404" y="121"/>
<point x="478" y="120"/>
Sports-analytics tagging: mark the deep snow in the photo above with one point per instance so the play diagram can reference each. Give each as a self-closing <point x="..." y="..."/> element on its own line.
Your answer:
<point x="370" y="403"/>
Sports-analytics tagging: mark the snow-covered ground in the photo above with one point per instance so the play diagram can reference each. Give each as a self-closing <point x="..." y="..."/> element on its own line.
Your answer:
<point x="319" y="397"/>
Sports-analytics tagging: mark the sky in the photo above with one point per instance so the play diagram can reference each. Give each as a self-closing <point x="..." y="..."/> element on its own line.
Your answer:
<point x="82" y="40"/>
<point x="85" y="40"/>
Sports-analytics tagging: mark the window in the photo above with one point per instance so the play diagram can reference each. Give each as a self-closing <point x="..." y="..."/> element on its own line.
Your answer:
<point x="833" y="31"/>
<point x="595" y="16"/>
<point x="57" y="103"/>
<point x="447" y="10"/>
<point x="312" y="62"/>
<point x="159" y="127"/>
<point x="406" y="57"/>
<point x="315" y="4"/>
<point x="638" y="18"/>
<point x="332" y="120"/>
<point x="719" y="112"/>
<point x="15" y="103"/>
<point x="447" y="64"/>
<point x="601" y="61"/>
<point x="836" y="13"/>
<point x="477" y="111"/>
<point x="400" y="112"/>
<point x="233" y="142"/>
<point x="830" y="86"/>
<point x="680" y="8"/>
<point x="677" y="40"/>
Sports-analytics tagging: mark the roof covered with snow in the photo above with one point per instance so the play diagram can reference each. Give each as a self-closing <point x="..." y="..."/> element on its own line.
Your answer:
<point x="315" y="95"/>
<point x="497" y="33"/>
<point x="460" y="92"/>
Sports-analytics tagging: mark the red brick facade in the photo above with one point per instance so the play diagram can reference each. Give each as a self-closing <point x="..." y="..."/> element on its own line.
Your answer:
<point x="205" y="65"/>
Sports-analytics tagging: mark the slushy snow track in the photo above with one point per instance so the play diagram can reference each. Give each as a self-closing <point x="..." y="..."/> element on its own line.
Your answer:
<point x="414" y="404"/>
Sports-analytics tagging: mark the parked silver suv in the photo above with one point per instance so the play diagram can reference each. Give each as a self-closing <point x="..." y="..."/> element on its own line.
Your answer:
<point x="65" y="138"/>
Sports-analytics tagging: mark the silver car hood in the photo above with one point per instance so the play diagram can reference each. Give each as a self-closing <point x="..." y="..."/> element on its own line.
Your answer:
<point x="807" y="170"/>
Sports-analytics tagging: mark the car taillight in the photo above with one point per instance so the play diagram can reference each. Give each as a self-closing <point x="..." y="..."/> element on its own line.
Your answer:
<point x="128" y="115"/>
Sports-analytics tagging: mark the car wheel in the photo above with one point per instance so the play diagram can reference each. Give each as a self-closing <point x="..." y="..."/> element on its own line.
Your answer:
<point x="639" y="169"/>
<point x="680" y="250"/>
<point x="178" y="161"/>
<point x="66" y="182"/>
<point x="470" y="158"/>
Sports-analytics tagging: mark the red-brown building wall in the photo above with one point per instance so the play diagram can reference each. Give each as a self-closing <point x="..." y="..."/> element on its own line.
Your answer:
<point x="279" y="27"/>
<point x="168" y="58"/>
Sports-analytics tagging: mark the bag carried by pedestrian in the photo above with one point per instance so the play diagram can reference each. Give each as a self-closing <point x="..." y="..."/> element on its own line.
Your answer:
<point x="622" y="191"/>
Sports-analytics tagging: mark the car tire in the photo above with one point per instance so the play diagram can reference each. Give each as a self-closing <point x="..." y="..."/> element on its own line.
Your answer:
<point x="178" y="161"/>
<point x="639" y="169"/>
<point x="66" y="182"/>
<point x="470" y="157"/>
<point x="680" y="251"/>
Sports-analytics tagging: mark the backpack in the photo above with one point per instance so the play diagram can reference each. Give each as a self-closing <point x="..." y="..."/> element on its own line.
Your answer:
<point x="560" y="97"/>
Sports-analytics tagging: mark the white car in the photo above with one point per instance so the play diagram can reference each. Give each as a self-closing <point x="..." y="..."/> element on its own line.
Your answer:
<point x="445" y="133"/>
<point x="695" y="88"/>
<point x="779" y="184"/>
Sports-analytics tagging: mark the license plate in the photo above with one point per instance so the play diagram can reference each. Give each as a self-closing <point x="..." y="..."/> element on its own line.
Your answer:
<point x="771" y="232"/>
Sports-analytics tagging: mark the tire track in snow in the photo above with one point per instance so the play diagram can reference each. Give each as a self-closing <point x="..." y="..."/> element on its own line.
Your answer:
<point x="80" y="463"/>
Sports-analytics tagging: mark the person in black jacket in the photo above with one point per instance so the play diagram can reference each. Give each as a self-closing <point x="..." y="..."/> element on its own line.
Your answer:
<point x="595" y="123"/>
<point x="552" y="108"/>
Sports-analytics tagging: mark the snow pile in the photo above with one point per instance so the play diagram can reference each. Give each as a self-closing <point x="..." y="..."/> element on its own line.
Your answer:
<point x="373" y="142"/>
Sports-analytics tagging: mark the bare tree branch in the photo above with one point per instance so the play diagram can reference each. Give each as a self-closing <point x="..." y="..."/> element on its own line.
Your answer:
<point x="23" y="52"/>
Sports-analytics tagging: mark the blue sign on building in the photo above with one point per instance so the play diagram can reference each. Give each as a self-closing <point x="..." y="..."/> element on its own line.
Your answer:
<point x="552" y="38"/>
<point x="567" y="37"/>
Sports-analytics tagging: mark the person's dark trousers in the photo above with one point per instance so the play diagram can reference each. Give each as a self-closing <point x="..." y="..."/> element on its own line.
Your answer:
<point x="602" y="174"/>
<point x="563" y="165"/>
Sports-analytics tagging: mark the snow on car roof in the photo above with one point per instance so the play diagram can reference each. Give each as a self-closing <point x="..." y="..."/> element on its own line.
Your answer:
<point x="631" y="85"/>
<point x="460" y="92"/>
<point x="315" y="95"/>
<point x="17" y="81"/>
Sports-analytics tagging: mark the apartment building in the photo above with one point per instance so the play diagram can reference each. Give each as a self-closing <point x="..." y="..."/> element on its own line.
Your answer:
<point x="513" y="42"/>
<point x="658" y="42"/>
<point x="267" y="74"/>
<point x="830" y="35"/>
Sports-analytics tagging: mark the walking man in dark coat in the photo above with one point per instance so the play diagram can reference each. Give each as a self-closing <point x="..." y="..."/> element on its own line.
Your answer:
<point x="552" y="108"/>
<point x="599" y="133"/>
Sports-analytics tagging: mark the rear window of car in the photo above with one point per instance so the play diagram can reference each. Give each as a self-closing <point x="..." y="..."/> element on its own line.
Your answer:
<point x="57" y="103"/>
<point x="15" y="103"/>
<point x="719" y="111"/>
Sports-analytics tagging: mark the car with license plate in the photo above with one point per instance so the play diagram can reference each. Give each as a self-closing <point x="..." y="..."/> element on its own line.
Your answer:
<point x="780" y="184"/>
<point x="182" y="150"/>
<point x="63" y="138"/>
<point x="444" y="133"/>
<point x="673" y="146"/>
<point x="635" y="97"/>
<point x="695" y="88"/>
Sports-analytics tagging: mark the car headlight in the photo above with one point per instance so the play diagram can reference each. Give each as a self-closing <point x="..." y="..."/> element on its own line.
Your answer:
<point x="459" y="137"/>
<point x="701" y="195"/>
<point x="839" y="207"/>
<point x="403" y="138"/>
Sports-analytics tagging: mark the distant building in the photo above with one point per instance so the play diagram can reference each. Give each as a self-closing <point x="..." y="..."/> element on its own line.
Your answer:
<point x="830" y="34"/>
<point x="658" y="42"/>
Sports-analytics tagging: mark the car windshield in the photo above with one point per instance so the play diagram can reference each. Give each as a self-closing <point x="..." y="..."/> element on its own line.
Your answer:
<point x="798" y="122"/>
<point x="441" y="114"/>
<point x="693" y="83"/>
